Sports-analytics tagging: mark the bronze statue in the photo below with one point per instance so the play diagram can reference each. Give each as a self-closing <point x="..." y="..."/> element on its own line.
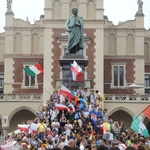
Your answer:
<point x="74" y="25"/>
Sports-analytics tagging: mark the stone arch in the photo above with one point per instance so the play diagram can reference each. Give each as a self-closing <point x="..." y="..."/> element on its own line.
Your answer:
<point x="35" y="43"/>
<point x="112" y="43"/>
<point x="18" y="43"/>
<point x="20" y="115"/>
<point x="91" y="6"/>
<point x="121" y="108"/>
<point x="146" y="52"/>
<point x="56" y="9"/>
<point x="122" y="115"/>
<point x="130" y="44"/>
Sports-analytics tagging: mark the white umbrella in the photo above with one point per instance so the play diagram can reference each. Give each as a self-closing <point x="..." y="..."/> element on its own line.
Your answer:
<point x="134" y="86"/>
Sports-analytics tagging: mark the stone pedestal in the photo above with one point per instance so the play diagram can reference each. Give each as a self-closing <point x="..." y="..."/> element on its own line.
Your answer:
<point x="66" y="78"/>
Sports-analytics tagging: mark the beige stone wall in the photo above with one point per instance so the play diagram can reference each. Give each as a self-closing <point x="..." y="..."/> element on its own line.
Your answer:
<point x="2" y="46"/>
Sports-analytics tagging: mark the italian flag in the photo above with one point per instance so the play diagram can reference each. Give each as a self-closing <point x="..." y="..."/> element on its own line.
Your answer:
<point x="138" y="126"/>
<point x="34" y="70"/>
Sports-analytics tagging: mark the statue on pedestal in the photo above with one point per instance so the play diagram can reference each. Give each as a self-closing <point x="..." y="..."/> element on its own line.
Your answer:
<point x="74" y="25"/>
<point x="9" y="3"/>
<point x="140" y="6"/>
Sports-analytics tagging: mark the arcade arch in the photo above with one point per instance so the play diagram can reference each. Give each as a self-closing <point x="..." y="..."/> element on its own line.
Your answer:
<point x="19" y="116"/>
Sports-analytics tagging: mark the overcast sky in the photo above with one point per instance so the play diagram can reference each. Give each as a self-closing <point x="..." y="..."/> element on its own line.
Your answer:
<point x="116" y="10"/>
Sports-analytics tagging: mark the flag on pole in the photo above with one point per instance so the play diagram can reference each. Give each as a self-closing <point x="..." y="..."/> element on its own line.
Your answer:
<point x="146" y="112"/>
<point x="23" y="127"/>
<point x="62" y="107"/>
<point x="76" y="72"/>
<point x="34" y="70"/>
<point x="138" y="126"/>
<point x="33" y="128"/>
<point x="66" y="93"/>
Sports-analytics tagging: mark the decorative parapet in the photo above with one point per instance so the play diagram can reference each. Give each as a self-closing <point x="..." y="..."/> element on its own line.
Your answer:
<point x="127" y="98"/>
<point x="109" y="98"/>
<point x="21" y="97"/>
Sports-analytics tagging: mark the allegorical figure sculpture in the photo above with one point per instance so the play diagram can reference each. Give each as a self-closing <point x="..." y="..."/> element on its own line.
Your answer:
<point x="140" y="6"/>
<point x="74" y="25"/>
<point x="9" y="2"/>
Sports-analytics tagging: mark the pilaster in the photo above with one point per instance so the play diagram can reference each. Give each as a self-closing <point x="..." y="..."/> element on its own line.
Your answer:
<point x="99" y="9"/>
<point x="99" y="60"/>
<point x="83" y="8"/>
<point x="48" y="11"/>
<point x="5" y="126"/>
<point x="65" y="9"/>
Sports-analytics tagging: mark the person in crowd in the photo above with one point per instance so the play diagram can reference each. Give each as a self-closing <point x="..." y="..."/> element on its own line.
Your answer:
<point x="55" y="125"/>
<point x="85" y="94"/>
<point x="41" y="129"/>
<point x="83" y="144"/>
<point x="68" y="129"/>
<point x="116" y="128"/>
<point x="18" y="144"/>
<point x="121" y="145"/>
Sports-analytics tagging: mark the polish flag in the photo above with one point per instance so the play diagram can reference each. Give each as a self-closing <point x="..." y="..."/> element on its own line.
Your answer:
<point x="61" y="107"/>
<point x="33" y="128"/>
<point x="24" y="127"/>
<point x="76" y="72"/>
<point x="71" y="107"/>
<point x="66" y="93"/>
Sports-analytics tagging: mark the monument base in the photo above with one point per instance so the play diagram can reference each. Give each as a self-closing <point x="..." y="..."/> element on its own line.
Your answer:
<point x="66" y="76"/>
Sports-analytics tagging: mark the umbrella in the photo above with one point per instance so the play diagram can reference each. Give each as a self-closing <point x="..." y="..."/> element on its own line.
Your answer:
<point x="134" y="86"/>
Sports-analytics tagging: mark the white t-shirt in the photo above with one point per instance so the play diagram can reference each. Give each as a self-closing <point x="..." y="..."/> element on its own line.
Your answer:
<point x="55" y="125"/>
<point x="68" y="128"/>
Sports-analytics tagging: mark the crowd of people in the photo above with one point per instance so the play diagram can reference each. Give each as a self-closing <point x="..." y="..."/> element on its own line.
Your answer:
<point x="85" y="128"/>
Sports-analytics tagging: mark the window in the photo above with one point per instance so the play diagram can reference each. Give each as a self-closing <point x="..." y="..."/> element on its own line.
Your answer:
<point x="29" y="81"/>
<point x="1" y="80"/>
<point x="1" y="83"/>
<point x="147" y="83"/>
<point x="118" y="75"/>
<point x="147" y="80"/>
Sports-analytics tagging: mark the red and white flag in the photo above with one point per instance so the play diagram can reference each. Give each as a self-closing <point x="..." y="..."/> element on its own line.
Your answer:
<point x="71" y="107"/>
<point x="33" y="128"/>
<point x="61" y="107"/>
<point x="24" y="127"/>
<point x="76" y="72"/>
<point x="146" y="112"/>
<point x="66" y="93"/>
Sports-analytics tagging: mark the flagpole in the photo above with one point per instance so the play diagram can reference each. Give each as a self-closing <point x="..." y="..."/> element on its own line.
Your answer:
<point x="134" y="119"/>
<point x="40" y="85"/>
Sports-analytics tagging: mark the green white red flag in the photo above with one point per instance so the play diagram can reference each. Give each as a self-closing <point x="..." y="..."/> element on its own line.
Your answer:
<point x="138" y="126"/>
<point x="34" y="70"/>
